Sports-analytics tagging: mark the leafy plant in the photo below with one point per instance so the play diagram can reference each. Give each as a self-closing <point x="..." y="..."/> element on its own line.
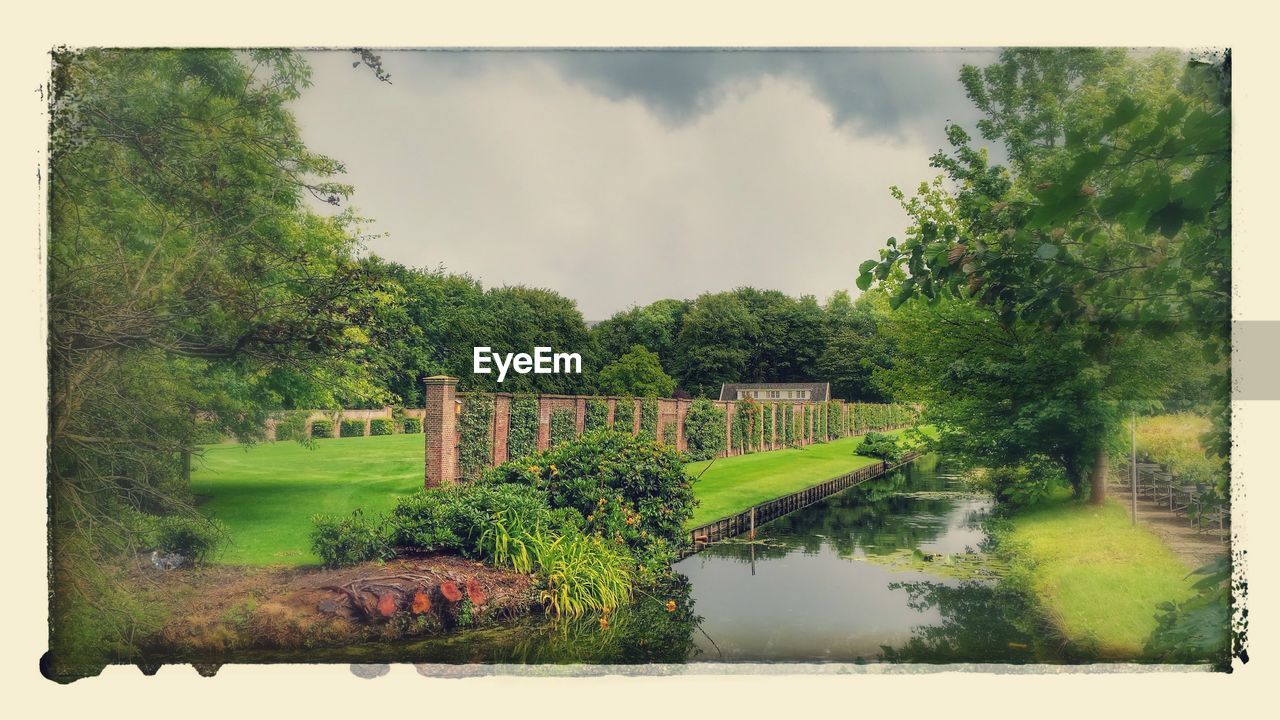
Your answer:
<point x="597" y="417"/>
<point x="1197" y="629"/>
<point x="649" y="417"/>
<point x="195" y="538"/>
<point x="322" y="429"/>
<point x="475" y="435"/>
<point x="351" y="428"/>
<point x="744" y="415"/>
<point x="881" y="445"/>
<point x="522" y="430"/>
<point x="350" y="540"/>
<point x="412" y="426"/>
<point x="564" y="426"/>
<point x="382" y="426"/>
<point x="704" y="430"/>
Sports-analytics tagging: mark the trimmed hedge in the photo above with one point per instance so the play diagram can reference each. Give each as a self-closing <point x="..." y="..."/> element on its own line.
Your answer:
<point x="522" y="429"/>
<point x="564" y="426"/>
<point x="649" y="418"/>
<point x="412" y="426"/>
<point x="322" y="429"/>
<point x="704" y="430"/>
<point x="351" y="428"/>
<point x="382" y="426"/>
<point x="597" y="415"/>
<point x="475" y="435"/>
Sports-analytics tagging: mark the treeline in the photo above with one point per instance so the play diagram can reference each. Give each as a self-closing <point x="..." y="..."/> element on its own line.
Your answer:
<point x="428" y="321"/>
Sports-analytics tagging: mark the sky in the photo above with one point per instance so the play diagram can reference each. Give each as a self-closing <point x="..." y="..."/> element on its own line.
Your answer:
<point x="617" y="178"/>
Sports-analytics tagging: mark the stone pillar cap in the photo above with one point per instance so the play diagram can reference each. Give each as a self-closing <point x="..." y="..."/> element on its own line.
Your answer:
<point x="441" y="380"/>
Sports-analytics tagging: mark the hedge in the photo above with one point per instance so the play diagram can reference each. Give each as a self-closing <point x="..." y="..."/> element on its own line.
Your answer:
<point x="382" y="426"/>
<point x="704" y="430"/>
<point x="322" y="429"/>
<point x="412" y="426"/>
<point x="597" y="415"/>
<point x="766" y="424"/>
<point x="475" y="435"/>
<point x="564" y="426"/>
<point x="351" y="428"/>
<point x="649" y="417"/>
<point x="669" y="433"/>
<point x="522" y="430"/>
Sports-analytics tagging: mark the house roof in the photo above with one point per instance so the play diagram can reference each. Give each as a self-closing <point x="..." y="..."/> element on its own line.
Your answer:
<point x="818" y="391"/>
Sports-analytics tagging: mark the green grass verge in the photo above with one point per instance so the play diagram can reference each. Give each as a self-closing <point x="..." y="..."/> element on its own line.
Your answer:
<point x="267" y="493"/>
<point x="1098" y="577"/>
<point x="734" y="484"/>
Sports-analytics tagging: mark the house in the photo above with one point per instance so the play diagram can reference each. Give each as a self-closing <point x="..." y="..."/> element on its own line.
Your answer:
<point x="795" y="392"/>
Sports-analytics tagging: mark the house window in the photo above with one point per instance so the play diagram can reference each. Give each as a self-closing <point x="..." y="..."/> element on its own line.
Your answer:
<point x="775" y="394"/>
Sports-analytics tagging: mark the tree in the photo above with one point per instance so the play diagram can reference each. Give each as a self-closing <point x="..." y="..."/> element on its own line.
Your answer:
<point x="1112" y="224"/>
<point x="188" y="286"/>
<point x="637" y="373"/>
<point x="715" y="343"/>
<point x="654" y="326"/>
<point x="856" y="346"/>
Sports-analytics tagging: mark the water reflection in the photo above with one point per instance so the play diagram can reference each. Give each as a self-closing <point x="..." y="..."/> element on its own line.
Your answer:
<point x="847" y="579"/>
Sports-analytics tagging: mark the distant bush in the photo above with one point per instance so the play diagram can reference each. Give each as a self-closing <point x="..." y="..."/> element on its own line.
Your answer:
<point x="704" y="430"/>
<point x="564" y="426"/>
<point x="291" y="426"/>
<point x="1175" y="442"/>
<point x="351" y="428"/>
<point x="192" y="537"/>
<point x="522" y="428"/>
<point x="322" y="429"/>
<point x="412" y="426"/>
<point x="349" y="540"/>
<point x="649" y="417"/>
<point x="881" y="445"/>
<point x="382" y="426"/>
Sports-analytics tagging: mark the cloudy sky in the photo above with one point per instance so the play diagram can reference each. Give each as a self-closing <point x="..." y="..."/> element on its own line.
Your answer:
<point x="618" y="178"/>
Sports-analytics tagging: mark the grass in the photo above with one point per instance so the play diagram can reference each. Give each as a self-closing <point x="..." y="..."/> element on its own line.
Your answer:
<point x="266" y="494"/>
<point x="734" y="484"/>
<point x="1098" y="577"/>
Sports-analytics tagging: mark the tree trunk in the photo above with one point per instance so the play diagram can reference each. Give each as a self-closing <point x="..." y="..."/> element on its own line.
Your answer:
<point x="1098" y="477"/>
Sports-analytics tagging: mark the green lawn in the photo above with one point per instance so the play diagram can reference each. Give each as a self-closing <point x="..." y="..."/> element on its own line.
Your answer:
<point x="1099" y="577"/>
<point x="734" y="484"/>
<point x="266" y="494"/>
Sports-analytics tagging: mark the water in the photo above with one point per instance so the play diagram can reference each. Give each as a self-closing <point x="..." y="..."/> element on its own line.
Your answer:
<point x="889" y="570"/>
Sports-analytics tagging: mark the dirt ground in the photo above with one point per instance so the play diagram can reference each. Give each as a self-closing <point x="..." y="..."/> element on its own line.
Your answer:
<point x="1194" y="548"/>
<point x="221" y="608"/>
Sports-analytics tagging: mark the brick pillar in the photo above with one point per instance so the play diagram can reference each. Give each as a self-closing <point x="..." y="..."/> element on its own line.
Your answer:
<point x="544" y="423"/>
<point x="582" y="416"/>
<point x="501" y="426"/>
<point x="439" y="425"/>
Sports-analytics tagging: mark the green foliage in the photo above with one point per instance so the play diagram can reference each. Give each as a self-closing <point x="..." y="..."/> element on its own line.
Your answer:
<point x="745" y="412"/>
<point x="788" y="424"/>
<point x="704" y="430"/>
<point x="767" y="422"/>
<point x="581" y="573"/>
<point x="835" y="420"/>
<point x="322" y="429"/>
<point x="1197" y="629"/>
<point x="351" y="428"/>
<point x="382" y="426"/>
<point x="292" y="426"/>
<point x="196" y="538"/>
<point x="638" y="372"/>
<point x="475" y="435"/>
<point x="522" y="431"/>
<point x="649" y="417"/>
<point x="669" y="433"/>
<point x="454" y="518"/>
<point x="1021" y="485"/>
<point x="341" y="541"/>
<point x="881" y="445"/>
<point x="597" y="415"/>
<point x="564" y="426"/>
<point x="412" y="426"/>
<point x="1175" y="441"/>
<point x="629" y="489"/>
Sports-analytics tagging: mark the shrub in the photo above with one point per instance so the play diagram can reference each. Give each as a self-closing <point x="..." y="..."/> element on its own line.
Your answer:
<point x="744" y="413"/>
<point x="349" y="540"/>
<point x="627" y="489"/>
<point x="292" y="426"/>
<point x="669" y="433"/>
<point x="597" y="415"/>
<point x="192" y="537"/>
<point x="208" y="433"/>
<point x="475" y="435"/>
<point x="412" y="426"/>
<point x="522" y="430"/>
<point x="382" y="426"/>
<point x="322" y="429"/>
<point x="766" y="424"/>
<point x="564" y="426"/>
<point x="1021" y="485"/>
<point x="453" y="518"/>
<point x="882" y="446"/>
<point x="1174" y="441"/>
<point x="787" y="430"/>
<point x="351" y="428"/>
<point x="704" y="430"/>
<point x="649" y="417"/>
